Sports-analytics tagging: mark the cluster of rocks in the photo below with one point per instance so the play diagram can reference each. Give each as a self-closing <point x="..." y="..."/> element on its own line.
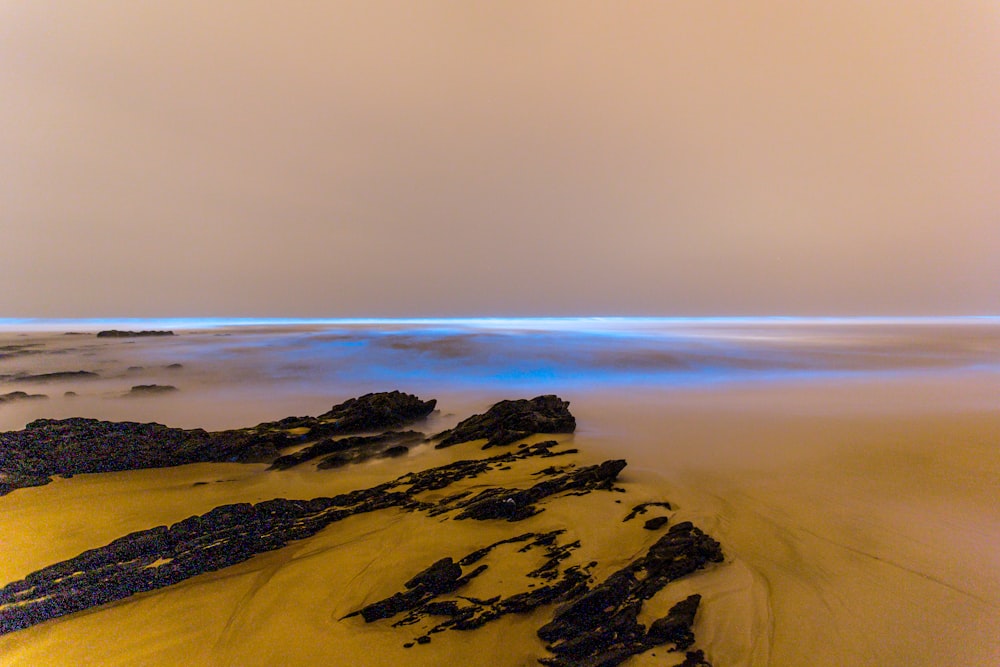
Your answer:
<point x="592" y="625"/>
<point x="419" y="599"/>
<point x="115" y="333"/>
<point x="601" y="626"/>
<point x="47" y="447"/>
<point x="229" y="534"/>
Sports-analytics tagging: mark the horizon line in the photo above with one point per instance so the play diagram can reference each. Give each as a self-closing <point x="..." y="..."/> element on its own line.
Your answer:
<point x="47" y="323"/>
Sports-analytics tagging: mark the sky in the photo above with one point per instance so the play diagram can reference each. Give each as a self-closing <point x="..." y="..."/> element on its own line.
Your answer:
<point x="419" y="159"/>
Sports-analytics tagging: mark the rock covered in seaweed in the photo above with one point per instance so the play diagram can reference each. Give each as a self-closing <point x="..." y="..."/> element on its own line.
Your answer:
<point x="509" y="421"/>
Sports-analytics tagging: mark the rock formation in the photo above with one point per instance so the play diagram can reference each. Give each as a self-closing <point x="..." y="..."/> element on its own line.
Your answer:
<point x="510" y="421"/>
<point x="48" y="447"/>
<point x="151" y="389"/>
<point x="592" y="623"/>
<point x="115" y="333"/>
<point x="19" y="396"/>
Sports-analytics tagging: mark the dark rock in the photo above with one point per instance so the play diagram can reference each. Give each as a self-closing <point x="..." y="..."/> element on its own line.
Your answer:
<point x="438" y="578"/>
<point x="149" y="389"/>
<point x="69" y="394"/>
<point x="20" y="396"/>
<point x="594" y="626"/>
<point x="419" y="600"/>
<point x="224" y="536"/>
<point x="509" y="421"/>
<point x="56" y="377"/>
<point x="675" y="627"/>
<point x="377" y="411"/>
<point x="695" y="659"/>
<point x="655" y="523"/>
<point x="174" y="367"/>
<point x="115" y="333"/>
<point x="641" y="509"/>
<point x="48" y="447"/>
<point x="349" y="449"/>
<point x="518" y="504"/>
<point x="395" y="452"/>
<point x="600" y="628"/>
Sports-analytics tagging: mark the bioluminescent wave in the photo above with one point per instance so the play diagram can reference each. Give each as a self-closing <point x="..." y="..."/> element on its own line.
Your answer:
<point x="271" y="359"/>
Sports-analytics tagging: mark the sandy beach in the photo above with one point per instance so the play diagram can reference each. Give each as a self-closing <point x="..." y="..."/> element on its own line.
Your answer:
<point x="858" y="518"/>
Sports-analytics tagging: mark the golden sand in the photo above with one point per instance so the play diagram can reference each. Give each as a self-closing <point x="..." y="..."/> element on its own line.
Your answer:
<point x="860" y="525"/>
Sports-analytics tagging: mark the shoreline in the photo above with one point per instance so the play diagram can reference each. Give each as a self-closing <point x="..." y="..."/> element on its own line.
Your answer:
<point x="857" y="515"/>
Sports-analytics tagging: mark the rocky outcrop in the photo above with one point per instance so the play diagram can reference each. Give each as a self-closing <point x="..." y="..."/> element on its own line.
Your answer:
<point x="420" y="599"/>
<point x="115" y="333"/>
<point x="161" y="556"/>
<point x="48" y="447"/>
<point x="151" y="389"/>
<point x="592" y="623"/>
<point x="601" y="627"/>
<point x="20" y="396"/>
<point x="518" y="504"/>
<point x="510" y="421"/>
<point x="56" y="377"/>
<point x="594" y="626"/>
<point x="373" y="412"/>
<point x="352" y="449"/>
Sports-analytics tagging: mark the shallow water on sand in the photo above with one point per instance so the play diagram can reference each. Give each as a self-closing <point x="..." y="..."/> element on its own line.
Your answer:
<point x="850" y="468"/>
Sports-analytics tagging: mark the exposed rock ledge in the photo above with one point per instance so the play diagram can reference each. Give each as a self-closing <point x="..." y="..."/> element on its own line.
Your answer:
<point x="47" y="447"/>
<point x="592" y="624"/>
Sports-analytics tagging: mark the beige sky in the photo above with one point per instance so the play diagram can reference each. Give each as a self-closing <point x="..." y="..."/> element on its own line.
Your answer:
<point x="505" y="158"/>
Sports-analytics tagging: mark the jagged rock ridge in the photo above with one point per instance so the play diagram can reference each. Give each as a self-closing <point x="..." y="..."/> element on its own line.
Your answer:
<point x="47" y="447"/>
<point x="229" y="534"/>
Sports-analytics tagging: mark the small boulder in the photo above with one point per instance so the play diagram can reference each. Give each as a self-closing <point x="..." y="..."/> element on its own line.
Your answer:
<point x="151" y="389"/>
<point x="655" y="523"/>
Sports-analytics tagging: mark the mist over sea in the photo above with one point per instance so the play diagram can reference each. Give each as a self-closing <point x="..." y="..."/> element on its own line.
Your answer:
<point x="239" y="372"/>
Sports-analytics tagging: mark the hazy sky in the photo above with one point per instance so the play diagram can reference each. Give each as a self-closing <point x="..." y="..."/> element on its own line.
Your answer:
<point x="534" y="158"/>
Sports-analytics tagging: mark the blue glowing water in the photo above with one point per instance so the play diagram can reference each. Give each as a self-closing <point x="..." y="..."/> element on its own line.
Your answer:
<point x="487" y="356"/>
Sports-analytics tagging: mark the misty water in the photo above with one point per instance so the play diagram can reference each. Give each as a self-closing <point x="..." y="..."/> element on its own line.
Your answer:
<point x="235" y="373"/>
